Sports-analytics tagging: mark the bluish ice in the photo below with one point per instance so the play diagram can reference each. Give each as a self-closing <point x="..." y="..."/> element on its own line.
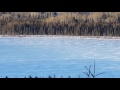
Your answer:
<point x="59" y="56"/>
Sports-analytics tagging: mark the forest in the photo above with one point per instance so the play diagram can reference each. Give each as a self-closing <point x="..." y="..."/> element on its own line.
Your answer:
<point x="60" y="23"/>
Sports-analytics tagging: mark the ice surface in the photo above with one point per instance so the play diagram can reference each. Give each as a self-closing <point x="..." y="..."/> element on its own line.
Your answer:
<point x="62" y="56"/>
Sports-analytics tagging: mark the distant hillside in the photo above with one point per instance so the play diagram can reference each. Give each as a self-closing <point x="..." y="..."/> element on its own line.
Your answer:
<point x="60" y="23"/>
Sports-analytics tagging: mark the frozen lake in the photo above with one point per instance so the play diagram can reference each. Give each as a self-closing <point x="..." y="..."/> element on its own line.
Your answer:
<point x="62" y="56"/>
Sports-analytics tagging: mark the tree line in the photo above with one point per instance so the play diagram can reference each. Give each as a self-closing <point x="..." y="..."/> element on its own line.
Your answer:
<point x="72" y="24"/>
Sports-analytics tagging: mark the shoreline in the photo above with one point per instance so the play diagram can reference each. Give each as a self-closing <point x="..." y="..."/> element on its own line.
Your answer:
<point x="86" y="37"/>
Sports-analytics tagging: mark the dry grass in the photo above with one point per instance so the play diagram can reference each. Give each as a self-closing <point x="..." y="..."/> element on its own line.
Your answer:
<point x="66" y="17"/>
<point x="91" y="74"/>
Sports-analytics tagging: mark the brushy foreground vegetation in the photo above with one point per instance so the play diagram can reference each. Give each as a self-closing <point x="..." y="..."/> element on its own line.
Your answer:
<point x="60" y="23"/>
<point x="88" y="73"/>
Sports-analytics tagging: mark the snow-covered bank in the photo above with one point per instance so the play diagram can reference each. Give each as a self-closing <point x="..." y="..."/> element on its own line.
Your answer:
<point x="86" y="37"/>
